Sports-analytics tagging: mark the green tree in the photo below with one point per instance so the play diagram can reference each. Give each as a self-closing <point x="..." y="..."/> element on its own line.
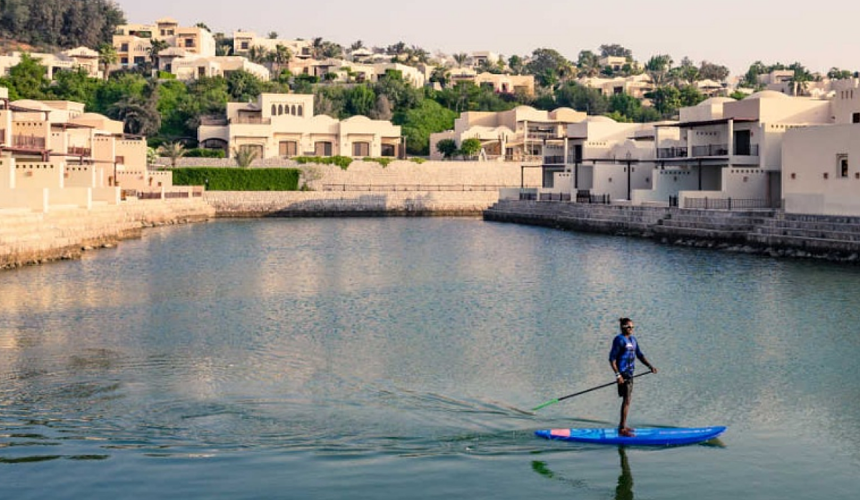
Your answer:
<point x="418" y="123"/>
<point x="615" y="50"/>
<point x="470" y="148"/>
<point x="714" y="72"/>
<point x="666" y="100"/>
<point x="243" y="86"/>
<point x="625" y="105"/>
<point x="29" y="77"/>
<point x="154" y="49"/>
<point x="839" y="74"/>
<point x="588" y="63"/>
<point x="74" y="85"/>
<point x="448" y="148"/>
<point x="244" y="156"/>
<point x="107" y="58"/>
<point x="547" y="66"/>
<point x="658" y="67"/>
<point x="689" y="95"/>
<point x="582" y="98"/>
<point x="516" y="65"/>
<point x="360" y="100"/>
<point x="172" y="150"/>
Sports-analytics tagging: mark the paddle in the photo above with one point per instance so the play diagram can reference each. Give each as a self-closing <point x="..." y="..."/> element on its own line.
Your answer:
<point x="554" y="401"/>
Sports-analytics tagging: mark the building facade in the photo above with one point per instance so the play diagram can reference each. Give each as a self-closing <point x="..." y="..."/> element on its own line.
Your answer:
<point x="284" y="125"/>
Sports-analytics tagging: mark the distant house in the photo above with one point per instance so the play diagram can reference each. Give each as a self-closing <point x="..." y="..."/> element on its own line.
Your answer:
<point x="284" y="125"/>
<point x="133" y="42"/>
<point x="54" y="153"/>
<point x="67" y="60"/>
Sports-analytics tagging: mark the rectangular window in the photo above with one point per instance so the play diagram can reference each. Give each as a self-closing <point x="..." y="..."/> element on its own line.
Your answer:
<point x="287" y="148"/>
<point x="123" y="47"/>
<point x="123" y="61"/>
<point x="322" y="148"/>
<point x="139" y="60"/>
<point x="244" y="45"/>
<point x="855" y="118"/>
<point x="360" y="149"/>
<point x="843" y="165"/>
<point x="389" y="150"/>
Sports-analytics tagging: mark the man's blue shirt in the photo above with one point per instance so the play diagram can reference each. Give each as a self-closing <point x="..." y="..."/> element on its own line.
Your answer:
<point x="624" y="352"/>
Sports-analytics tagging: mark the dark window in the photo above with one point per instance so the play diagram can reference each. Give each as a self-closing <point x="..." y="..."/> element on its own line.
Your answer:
<point x="322" y="148"/>
<point x="287" y="148"/>
<point x="244" y="45"/>
<point x="855" y="118"/>
<point x="123" y="47"/>
<point x="843" y="166"/>
<point x="139" y="60"/>
<point x="389" y="150"/>
<point x="360" y="149"/>
<point x="742" y="143"/>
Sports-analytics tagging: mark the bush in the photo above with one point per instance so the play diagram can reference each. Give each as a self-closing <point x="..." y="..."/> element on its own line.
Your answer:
<point x="382" y="161"/>
<point x="205" y="153"/>
<point x="238" y="179"/>
<point x="341" y="161"/>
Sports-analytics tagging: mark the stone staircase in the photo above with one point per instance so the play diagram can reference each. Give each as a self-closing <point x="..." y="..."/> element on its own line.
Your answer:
<point x="810" y="233"/>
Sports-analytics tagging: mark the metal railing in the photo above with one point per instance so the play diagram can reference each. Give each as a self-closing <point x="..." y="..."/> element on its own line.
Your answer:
<point x="28" y="141"/>
<point x="725" y="203"/>
<point x="554" y="197"/>
<point x="414" y="187"/>
<point x="674" y="152"/>
<point x="752" y="150"/>
<point x="553" y="160"/>
<point x="79" y="151"/>
<point x="711" y="150"/>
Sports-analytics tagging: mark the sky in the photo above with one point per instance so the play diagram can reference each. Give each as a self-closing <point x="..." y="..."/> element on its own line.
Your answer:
<point x="733" y="33"/>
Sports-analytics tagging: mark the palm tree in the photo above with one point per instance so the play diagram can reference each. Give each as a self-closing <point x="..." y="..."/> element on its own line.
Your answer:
<point x="172" y="150"/>
<point x="281" y="56"/>
<point x="257" y="54"/>
<point x="155" y="47"/>
<point x="107" y="57"/>
<point x="244" y="156"/>
<point x="461" y="59"/>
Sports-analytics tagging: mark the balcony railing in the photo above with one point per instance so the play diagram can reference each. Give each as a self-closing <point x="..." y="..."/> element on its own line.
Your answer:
<point x="79" y="151"/>
<point x="244" y="120"/>
<point x="711" y="150"/>
<point x="751" y="150"/>
<point x="674" y="152"/>
<point x="28" y="141"/>
<point x="553" y="160"/>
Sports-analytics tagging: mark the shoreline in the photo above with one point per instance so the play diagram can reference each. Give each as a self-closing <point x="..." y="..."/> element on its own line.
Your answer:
<point x="32" y="238"/>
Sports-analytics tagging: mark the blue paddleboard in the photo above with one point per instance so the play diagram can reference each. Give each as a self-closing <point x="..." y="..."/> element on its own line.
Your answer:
<point x="643" y="437"/>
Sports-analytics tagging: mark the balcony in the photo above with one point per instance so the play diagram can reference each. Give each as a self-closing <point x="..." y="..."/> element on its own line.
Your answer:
<point x="748" y="150"/>
<point x="675" y="152"/>
<point x="711" y="150"/>
<point x="553" y="160"/>
<point x="79" y="151"/>
<point x="247" y="120"/>
<point x="28" y="142"/>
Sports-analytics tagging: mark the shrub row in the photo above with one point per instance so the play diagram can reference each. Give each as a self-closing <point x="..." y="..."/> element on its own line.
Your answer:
<point x="238" y="179"/>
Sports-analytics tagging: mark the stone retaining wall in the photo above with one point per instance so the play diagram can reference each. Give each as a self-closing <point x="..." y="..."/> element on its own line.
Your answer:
<point x="351" y="203"/>
<point x="31" y="237"/>
<point x="770" y="232"/>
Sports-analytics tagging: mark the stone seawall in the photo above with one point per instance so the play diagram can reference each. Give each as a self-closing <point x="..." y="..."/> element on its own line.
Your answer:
<point x="29" y="237"/>
<point x="770" y="232"/>
<point x="348" y="203"/>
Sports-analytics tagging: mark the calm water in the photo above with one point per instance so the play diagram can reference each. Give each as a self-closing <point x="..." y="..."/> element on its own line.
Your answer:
<point x="399" y="358"/>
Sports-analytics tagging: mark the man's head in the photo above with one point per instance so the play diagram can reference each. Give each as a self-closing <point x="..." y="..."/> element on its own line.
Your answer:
<point x="626" y="325"/>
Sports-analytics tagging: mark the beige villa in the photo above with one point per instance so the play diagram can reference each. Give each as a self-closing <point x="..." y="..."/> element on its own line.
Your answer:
<point x="284" y="125"/>
<point x="54" y="153"/>
<point x="521" y="134"/>
<point x="134" y="41"/>
<point x="821" y="164"/>
<point x="67" y="60"/>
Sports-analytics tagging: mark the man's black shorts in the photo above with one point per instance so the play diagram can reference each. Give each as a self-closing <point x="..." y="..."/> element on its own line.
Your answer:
<point x="626" y="388"/>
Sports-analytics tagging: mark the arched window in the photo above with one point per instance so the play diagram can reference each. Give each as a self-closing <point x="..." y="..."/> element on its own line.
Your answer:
<point x="274" y="110"/>
<point x="293" y="112"/>
<point x="280" y="109"/>
<point x="300" y="110"/>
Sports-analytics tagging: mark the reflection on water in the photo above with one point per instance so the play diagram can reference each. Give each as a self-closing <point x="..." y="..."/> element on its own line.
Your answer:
<point x="373" y="342"/>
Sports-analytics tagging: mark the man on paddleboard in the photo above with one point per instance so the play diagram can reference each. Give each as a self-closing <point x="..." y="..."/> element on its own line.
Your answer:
<point x="622" y="358"/>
